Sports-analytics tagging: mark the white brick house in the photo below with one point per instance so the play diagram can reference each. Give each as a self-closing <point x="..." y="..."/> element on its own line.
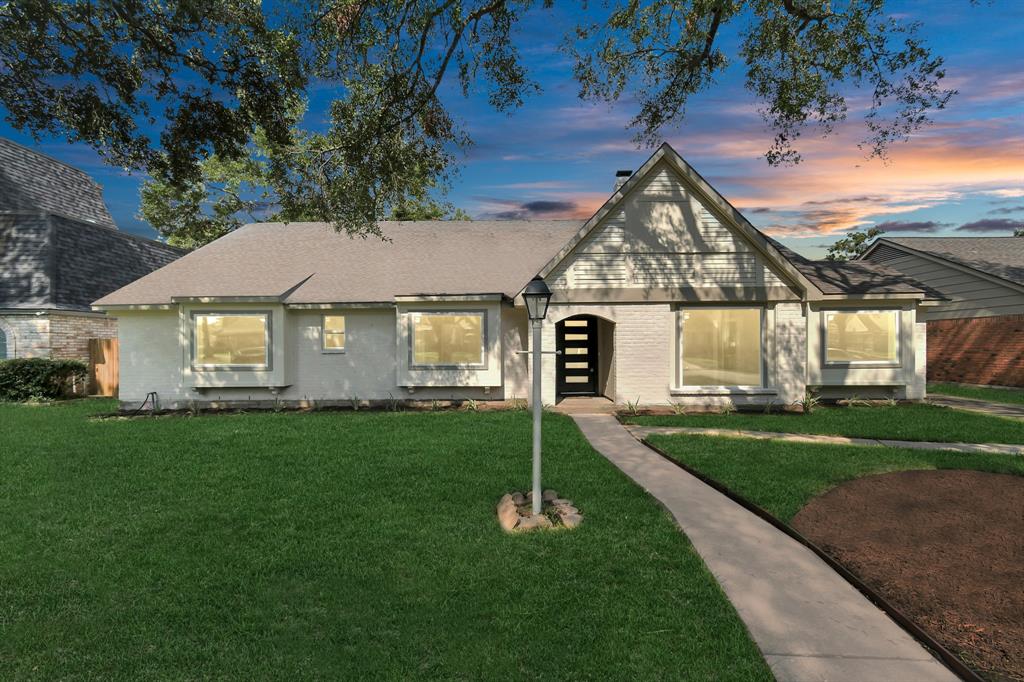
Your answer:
<point x="667" y="294"/>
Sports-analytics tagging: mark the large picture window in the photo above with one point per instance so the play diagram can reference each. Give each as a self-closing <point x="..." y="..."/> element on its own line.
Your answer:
<point x="448" y="339"/>
<point x="230" y="340"/>
<point x="862" y="337"/>
<point x="721" y="347"/>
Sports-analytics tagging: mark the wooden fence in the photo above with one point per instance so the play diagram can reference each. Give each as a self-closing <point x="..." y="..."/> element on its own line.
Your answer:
<point x="104" y="367"/>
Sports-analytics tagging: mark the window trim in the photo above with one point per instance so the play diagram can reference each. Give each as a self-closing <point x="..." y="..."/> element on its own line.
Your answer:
<point x="827" y="364"/>
<point x="484" y="339"/>
<point x="323" y="333"/>
<point x="680" y="374"/>
<point x="268" y="354"/>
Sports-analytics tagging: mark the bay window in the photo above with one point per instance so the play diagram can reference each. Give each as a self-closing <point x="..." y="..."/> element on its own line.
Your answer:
<point x="230" y="340"/>
<point x="448" y="339"/>
<point x="862" y="337"/>
<point x="721" y="347"/>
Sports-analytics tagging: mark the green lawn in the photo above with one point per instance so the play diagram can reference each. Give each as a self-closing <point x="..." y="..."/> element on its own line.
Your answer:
<point x="1012" y="396"/>
<point x="900" y="422"/>
<point x="781" y="477"/>
<point x="337" y="546"/>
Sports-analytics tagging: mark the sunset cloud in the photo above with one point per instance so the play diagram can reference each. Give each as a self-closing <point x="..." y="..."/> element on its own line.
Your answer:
<point x="992" y="225"/>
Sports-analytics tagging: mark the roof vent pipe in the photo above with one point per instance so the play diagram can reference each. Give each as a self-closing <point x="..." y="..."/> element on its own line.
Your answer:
<point x="620" y="178"/>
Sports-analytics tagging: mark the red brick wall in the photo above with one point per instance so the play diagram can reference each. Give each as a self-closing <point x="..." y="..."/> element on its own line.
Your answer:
<point x="977" y="350"/>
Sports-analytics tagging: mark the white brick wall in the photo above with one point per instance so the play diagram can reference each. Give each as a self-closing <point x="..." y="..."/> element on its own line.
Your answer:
<point x="153" y="351"/>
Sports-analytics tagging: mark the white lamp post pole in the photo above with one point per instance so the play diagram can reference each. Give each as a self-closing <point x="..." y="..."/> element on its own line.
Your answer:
<point x="537" y="409"/>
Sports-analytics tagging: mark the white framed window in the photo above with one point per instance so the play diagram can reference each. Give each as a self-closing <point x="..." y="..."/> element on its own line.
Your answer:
<point x="231" y="340"/>
<point x="862" y="337"/>
<point x="332" y="334"/>
<point x="721" y="347"/>
<point x="448" y="338"/>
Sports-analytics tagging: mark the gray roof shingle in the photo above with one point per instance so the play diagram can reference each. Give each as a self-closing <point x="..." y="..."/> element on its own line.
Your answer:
<point x="854" y="277"/>
<point x="998" y="256"/>
<point x="49" y="261"/>
<point x="311" y="263"/>
<point x="30" y="182"/>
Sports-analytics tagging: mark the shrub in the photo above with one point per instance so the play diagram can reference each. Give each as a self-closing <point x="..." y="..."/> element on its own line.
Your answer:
<point x="39" y="379"/>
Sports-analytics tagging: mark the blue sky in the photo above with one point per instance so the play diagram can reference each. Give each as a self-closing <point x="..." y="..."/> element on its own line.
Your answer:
<point x="556" y="156"/>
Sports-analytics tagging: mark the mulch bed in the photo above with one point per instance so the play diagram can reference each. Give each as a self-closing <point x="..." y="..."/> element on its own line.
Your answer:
<point x="945" y="547"/>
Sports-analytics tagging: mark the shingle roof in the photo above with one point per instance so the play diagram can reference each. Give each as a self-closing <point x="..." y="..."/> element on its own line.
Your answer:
<point x="30" y="181"/>
<point x="854" y="277"/>
<point x="48" y="261"/>
<point x="998" y="256"/>
<point x="310" y="263"/>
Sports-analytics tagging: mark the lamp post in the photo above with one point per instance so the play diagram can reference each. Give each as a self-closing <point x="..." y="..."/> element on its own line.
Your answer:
<point x="537" y="296"/>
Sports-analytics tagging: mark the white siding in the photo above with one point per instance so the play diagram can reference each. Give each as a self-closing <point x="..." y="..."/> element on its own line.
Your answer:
<point x="662" y="236"/>
<point x="971" y="296"/>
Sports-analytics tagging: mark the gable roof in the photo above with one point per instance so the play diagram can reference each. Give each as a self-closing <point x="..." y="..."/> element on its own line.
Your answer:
<point x="822" y="277"/>
<point x="733" y="217"/>
<point x="855" y="277"/>
<point x="1001" y="257"/>
<point x="31" y="181"/>
<point x="310" y="263"/>
<point x="53" y="262"/>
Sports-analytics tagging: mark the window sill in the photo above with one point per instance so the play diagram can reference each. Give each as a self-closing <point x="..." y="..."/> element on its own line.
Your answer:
<point x="722" y="390"/>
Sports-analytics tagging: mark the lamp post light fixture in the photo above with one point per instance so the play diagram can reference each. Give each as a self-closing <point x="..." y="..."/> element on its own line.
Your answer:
<point x="537" y="296"/>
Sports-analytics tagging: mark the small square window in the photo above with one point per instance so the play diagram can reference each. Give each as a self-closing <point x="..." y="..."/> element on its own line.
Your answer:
<point x="332" y="334"/>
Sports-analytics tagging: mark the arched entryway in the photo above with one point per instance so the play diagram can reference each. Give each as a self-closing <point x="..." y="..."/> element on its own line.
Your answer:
<point x="584" y="361"/>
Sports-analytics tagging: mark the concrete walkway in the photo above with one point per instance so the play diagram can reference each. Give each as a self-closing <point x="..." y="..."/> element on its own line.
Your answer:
<point x="975" y="405"/>
<point x="809" y="623"/>
<point x="641" y="432"/>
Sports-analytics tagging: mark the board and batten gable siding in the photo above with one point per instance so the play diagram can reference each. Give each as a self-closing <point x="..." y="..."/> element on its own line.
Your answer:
<point x="662" y="236"/>
<point x="970" y="295"/>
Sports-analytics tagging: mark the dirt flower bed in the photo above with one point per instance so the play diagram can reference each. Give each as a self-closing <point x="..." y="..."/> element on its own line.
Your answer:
<point x="946" y="547"/>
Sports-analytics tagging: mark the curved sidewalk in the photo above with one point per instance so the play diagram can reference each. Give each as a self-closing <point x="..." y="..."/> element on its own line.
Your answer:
<point x="809" y="623"/>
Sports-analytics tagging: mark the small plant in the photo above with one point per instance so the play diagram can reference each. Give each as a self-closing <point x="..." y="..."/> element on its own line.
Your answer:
<point x="518" y="404"/>
<point x="435" y="405"/>
<point x="633" y="406"/>
<point x="678" y="408"/>
<point x="810" y="402"/>
<point x="727" y="409"/>
<point x="278" y="406"/>
<point x="355" y="403"/>
<point x="769" y="407"/>
<point x="393" y="403"/>
<point x="856" y="401"/>
<point x="892" y="401"/>
<point x="193" y="408"/>
<point x="471" y="405"/>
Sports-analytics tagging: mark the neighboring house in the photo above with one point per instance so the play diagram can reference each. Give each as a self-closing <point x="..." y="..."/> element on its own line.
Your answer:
<point x="977" y="335"/>
<point x="59" y="251"/>
<point x="666" y="294"/>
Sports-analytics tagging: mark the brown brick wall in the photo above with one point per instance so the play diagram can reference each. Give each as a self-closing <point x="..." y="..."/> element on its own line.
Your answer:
<point x="978" y="350"/>
<point x="70" y="334"/>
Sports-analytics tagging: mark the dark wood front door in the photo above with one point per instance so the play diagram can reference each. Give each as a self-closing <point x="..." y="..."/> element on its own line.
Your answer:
<point x="576" y="338"/>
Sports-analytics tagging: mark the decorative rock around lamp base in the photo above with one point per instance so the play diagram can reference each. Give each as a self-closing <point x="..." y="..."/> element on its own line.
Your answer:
<point x="516" y="516"/>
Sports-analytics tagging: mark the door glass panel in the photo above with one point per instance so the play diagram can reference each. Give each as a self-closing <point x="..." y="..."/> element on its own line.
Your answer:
<point x="576" y="337"/>
<point x="577" y="379"/>
<point x="575" y="351"/>
<point x="577" y="365"/>
<point x="575" y="323"/>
